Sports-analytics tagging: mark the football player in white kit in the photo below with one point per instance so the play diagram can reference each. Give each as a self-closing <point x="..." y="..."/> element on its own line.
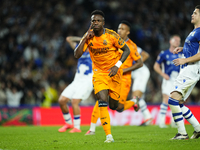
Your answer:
<point x="188" y="77"/>
<point x="166" y="68"/>
<point x="80" y="89"/>
<point x="139" y="86"/>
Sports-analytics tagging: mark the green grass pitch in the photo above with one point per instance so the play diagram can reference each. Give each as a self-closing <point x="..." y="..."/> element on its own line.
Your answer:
<point x="126" y="138"/>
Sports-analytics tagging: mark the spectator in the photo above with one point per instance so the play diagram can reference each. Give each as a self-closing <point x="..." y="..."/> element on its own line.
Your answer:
<point x="2" y="94"/>
<point x="13" y="97"/>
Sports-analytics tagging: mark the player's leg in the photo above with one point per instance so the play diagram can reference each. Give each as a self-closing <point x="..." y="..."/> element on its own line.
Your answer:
<point x="134" y="102"/>
<point x="167" y="87"/>
<point x="184" y="84"/>
<point x="187" y="114"/>
<point x="65" y="97"/>
<point x="83" y="89"/>
<point x="94" y="118"/>
<point x="77" y="116"/>
<point x="125" y="104"/>
<point x="138" y="89"/>
<point x="163" y="111"/>
<point x="104" y="114"/>
<point x="66" y="115"/>
<point x="128" y="104"/>
<point x="173" y="102"/>
<point x="113" y="104"/>
<point x="102" y="85"/>
<point x="143" y="107"/>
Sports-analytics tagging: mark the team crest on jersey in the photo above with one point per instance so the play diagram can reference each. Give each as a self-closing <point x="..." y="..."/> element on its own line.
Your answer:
<point x="192" y="33"/>
<point x="137" y="54"/>
<point x="121" y="41"/>
<point x="105" y="42"/>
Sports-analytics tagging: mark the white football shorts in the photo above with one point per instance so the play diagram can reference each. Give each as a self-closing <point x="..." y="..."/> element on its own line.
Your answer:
<point x="167" y="85"/>
<point x="80" y="88"/>
<point x="187" y="79"/>
<point x="140" y="77"/>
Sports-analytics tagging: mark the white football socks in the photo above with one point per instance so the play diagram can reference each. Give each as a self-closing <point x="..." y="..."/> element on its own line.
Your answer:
<point x="177" y="115"/>
<point x="143" y="107"/>
<point x="92" y="127"/>
<point x="187" y="114"/>
<point x="77" y="121"/>
<point x="162" y="113"/>
<point x="67" y="118"/>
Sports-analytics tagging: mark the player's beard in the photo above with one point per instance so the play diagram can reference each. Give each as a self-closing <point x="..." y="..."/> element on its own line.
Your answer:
<point x="97" y="31"/>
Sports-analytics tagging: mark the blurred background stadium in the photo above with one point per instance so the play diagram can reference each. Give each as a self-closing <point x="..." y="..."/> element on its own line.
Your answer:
<point x="36" y="62"/>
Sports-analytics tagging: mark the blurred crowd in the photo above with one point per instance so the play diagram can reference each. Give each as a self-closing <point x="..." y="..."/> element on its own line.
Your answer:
<point x="36" y="62"/>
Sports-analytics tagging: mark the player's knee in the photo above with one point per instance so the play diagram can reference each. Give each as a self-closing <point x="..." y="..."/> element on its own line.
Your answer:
<point x="120" y="107"/>
<point x="75" y="102"/>
<point x="62" y="100"/>
<point x="120" y="110"/>
<point x="113" y="106"/>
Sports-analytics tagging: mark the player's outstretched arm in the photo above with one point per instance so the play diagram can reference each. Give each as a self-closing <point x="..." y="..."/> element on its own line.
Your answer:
<point x="72" y="40"/>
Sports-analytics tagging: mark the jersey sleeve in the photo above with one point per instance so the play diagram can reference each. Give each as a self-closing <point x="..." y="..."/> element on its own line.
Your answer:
<point x="134" y="53"/>
<point x="117" y="40"/>
<point x="160" y="58"/>
<point x="198" y="36"/>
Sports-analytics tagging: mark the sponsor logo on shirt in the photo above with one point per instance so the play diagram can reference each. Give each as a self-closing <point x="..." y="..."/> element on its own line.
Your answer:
<point x="97" y="51"/>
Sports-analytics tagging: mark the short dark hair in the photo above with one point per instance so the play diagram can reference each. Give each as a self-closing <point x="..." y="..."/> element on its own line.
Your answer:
<point x="172" y="36"/>
<point x="126" y="23"/>
<point x="98" y="12"/>
<point x="198" y="7"/>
